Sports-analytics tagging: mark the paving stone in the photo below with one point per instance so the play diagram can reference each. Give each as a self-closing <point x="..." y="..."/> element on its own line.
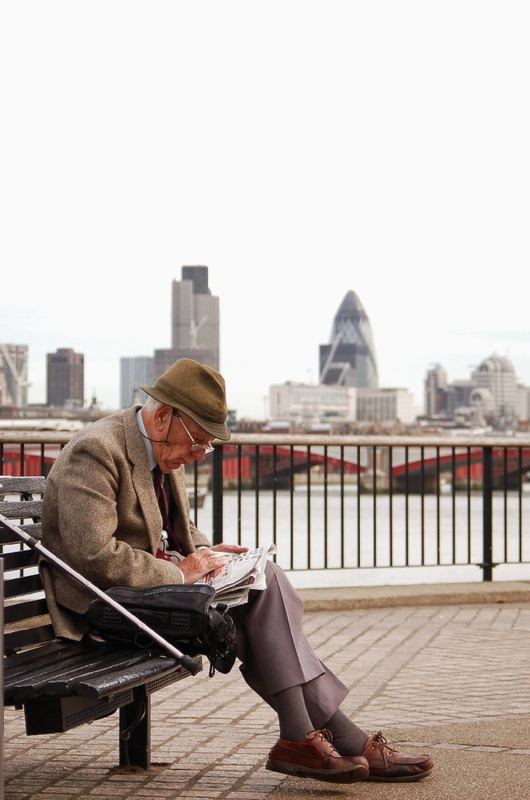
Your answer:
<point x="405" y="667"/>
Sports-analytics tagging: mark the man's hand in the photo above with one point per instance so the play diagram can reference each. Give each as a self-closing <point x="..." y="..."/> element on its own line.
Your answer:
<point x="229" y="548"/>
<point x="199" y="564"/>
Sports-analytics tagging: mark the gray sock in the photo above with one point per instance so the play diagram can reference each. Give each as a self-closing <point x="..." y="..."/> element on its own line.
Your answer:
<point x="348" y="738"/>
<point x="292" y="714"/>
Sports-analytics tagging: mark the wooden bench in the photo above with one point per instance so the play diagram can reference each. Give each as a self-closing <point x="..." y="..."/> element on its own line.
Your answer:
<point x="62" y="684"/>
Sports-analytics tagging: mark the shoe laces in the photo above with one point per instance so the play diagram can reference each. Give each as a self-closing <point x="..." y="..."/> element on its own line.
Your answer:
<point x="326" y="736"/>
<point x="378" y="740"/>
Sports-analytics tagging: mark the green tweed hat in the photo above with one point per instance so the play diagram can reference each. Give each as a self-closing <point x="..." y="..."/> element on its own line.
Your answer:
<point x="198" y="391"/>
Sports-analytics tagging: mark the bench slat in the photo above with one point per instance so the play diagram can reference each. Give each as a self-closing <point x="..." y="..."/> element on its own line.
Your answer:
<point x="92" y="669"/>
<point x="85" y="670"/>
<point x="25" y="610"/>
<point x="34" y="529"/>
<point x="15" y="485"/>
<point x="51" y="679"/>
<point x="25" y="585"/>
<point x="32" y="675"/>
<point x="51" y="654"/>
<point x="36" y="655"/>
<point x="19" y="559"/>
<point x="114" y="681"/>
<point x="27" y="636"/>
<point x="21" y="509"/>
<point x="8" y="537"/>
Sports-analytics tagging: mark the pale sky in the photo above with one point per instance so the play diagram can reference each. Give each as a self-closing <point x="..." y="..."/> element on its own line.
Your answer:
<point x="298" y="149"/>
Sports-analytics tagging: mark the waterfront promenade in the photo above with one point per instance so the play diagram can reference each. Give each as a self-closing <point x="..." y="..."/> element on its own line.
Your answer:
<point x="453" y="680"/>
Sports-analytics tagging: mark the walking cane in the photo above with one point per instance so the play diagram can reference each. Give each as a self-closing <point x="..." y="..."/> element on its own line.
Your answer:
<point x="186" y="661"/>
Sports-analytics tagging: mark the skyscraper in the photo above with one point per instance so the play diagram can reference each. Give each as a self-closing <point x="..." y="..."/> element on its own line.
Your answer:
<point x="135" y="371"/>
<point x="65" y="378"/>
<point x="195" y="317"/>
<point x="194" y="322"/>
<point x="13" y="374"/>
<point x="349" y="358"/>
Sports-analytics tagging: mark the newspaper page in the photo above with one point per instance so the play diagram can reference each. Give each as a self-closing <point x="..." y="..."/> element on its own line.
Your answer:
<point x="243" y="572"/>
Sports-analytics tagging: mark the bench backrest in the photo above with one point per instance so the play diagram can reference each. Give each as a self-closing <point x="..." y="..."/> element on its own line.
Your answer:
<point x="25" y="610"/>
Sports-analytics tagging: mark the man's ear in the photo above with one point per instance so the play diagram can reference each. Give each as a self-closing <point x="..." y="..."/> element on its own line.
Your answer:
<point x="161" y="416"/>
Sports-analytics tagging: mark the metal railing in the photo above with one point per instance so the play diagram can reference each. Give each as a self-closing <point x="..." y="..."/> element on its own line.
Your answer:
<point x="354" y="503"/>
<point x="377" y="502"/>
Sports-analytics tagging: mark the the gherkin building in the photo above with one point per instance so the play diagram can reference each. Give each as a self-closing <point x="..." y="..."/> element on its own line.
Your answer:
<point x="349" y="358"/>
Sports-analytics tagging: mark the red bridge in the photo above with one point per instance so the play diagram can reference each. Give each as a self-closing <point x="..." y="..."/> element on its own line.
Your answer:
<point x="275" y="464"/>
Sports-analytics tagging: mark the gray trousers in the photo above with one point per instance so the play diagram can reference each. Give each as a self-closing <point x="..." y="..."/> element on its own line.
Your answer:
<point x="276" y="655"/>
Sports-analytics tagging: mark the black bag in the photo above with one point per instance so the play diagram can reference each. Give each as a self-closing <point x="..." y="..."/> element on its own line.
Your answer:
<point x="180" y="613"/>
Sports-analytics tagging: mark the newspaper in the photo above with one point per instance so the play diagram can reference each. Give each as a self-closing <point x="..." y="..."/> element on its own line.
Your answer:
<point x="244" y="571"/>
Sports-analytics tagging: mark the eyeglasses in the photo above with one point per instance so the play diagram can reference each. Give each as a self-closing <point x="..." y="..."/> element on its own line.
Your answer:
<point x="195" y="446"/>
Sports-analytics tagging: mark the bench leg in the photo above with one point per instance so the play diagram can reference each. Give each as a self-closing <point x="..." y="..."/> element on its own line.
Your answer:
<point x="135" y="730"/>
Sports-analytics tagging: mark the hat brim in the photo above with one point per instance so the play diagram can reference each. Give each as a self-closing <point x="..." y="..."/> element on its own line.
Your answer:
<point x="217" y="429"/>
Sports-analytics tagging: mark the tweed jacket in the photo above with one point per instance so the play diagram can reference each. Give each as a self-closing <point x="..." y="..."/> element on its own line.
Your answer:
<point x="101" y="516"/>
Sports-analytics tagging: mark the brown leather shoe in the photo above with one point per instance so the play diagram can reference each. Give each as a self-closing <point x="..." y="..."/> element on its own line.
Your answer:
<point x="315" y="757"/>
<point x="386" y="764"/>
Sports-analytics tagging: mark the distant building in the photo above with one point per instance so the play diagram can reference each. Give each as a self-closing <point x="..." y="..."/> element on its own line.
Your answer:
<point x="194" y="318"/>
<point x="135" y="371"/>
<point x="349" y="358"/>
<point x="490" y="396"/>
<point x="307" y="404"/>
<point x="523" y="403"/>
<point x="458" y="395"/>
<point x="13" y="375"/>
<point x="65" y="378"/>
<point x="194" y="322"/>
<point x="164" y="358"/>
<point x="497" y="375"/>
<point x="436" y="393"/>
<point x="385" y="405"/>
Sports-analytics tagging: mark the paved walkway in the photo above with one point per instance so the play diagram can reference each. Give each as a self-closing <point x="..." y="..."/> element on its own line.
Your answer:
<point x="451" y="680"/>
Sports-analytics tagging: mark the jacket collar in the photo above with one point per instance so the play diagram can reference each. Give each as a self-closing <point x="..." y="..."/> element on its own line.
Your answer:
<point x="134" y="442"/>
<point x="147" y="444"/>
<point x="141" y="476"/>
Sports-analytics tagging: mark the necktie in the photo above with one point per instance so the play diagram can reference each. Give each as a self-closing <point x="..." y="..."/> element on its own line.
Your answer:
<point x="162" y="495"/>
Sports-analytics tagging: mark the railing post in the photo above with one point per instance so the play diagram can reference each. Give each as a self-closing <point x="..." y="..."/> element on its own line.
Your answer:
<point x="217" y="494"/>
<point x="487" y="514"/>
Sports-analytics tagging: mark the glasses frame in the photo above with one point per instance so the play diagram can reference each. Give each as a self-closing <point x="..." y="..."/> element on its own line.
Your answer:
<point x="195" y="446"/>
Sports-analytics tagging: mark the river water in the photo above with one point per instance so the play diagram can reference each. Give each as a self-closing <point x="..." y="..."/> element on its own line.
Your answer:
<point x="351" y="533"/>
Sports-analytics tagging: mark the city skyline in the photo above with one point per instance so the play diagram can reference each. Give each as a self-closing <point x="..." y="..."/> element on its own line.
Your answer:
<point x="359" y="158"/>
<point x="259" y="399"/>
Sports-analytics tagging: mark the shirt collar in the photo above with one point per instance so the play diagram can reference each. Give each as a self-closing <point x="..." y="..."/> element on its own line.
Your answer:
<point x="148" y="445"/>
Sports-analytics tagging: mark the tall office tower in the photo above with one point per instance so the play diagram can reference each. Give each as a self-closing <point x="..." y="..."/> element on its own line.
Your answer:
<point x="13" y="374"/>
<point x="349" y="358"/>
<point x="65" y="378"/>
<point x="195" y="318"/>
<point x="135" y="371"/>
<point x="436" y="393"/>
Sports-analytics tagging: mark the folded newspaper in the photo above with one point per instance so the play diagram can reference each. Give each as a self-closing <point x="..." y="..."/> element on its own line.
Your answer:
<point x="244" y="571"/>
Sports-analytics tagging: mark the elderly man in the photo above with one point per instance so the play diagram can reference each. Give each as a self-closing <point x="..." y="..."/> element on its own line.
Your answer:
<point x="117" y="491"/>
